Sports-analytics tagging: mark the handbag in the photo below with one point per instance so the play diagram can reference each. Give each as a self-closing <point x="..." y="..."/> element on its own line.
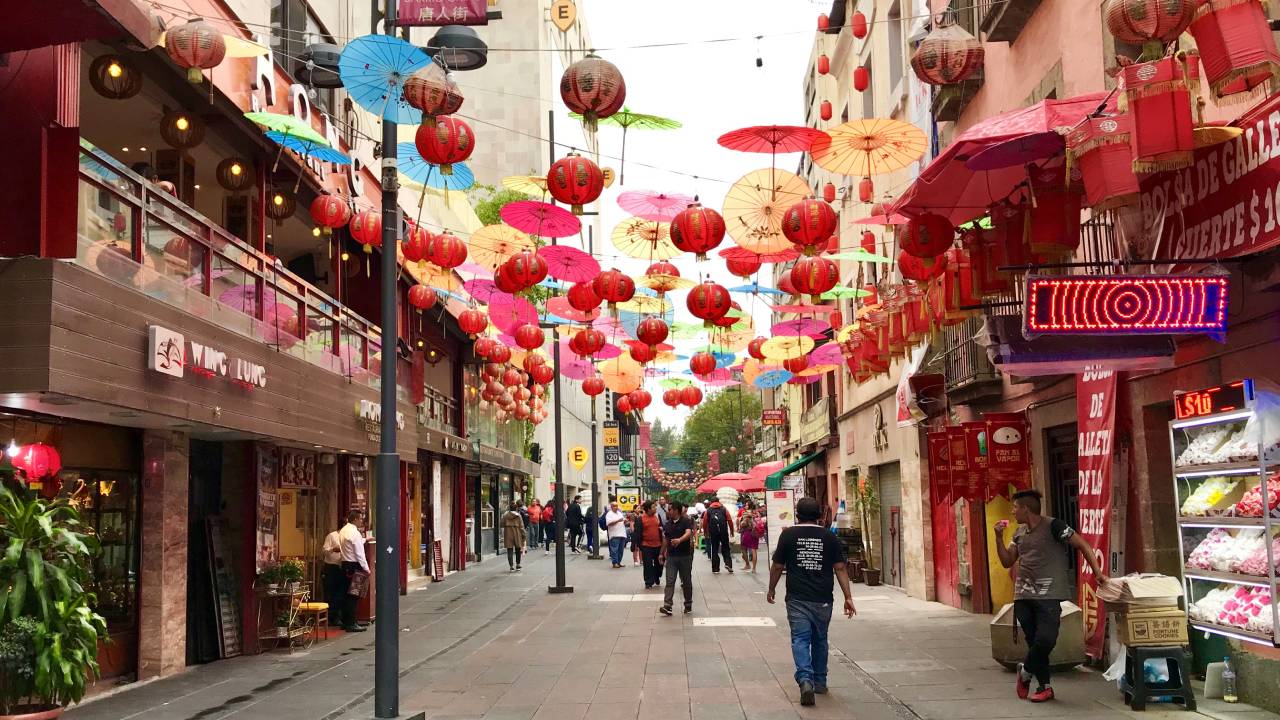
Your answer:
<point x="359" y="583"/>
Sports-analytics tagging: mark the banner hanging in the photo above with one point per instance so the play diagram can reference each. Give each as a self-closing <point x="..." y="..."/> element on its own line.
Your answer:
<point x="1096" y="419"/>
<point x="940" y="467"/>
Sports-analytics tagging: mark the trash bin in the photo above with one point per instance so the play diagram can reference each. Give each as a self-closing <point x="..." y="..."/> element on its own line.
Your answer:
<point x="1009" y="650"/>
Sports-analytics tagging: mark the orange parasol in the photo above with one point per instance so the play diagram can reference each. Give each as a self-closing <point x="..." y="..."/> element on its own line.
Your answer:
<point x="754" y="206"/>
<point x="644" y="239"/>
<point x="622" y="374"/>
<point x="491" y="245"/>
<point x="869" y="147"/>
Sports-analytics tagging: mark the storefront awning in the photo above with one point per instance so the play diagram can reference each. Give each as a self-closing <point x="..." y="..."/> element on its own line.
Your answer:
<point x="774" y="481"/>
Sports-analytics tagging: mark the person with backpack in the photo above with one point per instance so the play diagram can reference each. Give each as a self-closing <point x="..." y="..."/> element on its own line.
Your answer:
<point x="648" y="536"/>
<point x="1042" y="548"/>
<point x="717" y="526"/>
<point x="548" y="527"/>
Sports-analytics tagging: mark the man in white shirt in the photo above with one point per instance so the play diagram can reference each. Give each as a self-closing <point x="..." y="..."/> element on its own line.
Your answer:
<point x="351" y="548"/>
<point x="616" y="527"/>
<point x="334" y="579"/>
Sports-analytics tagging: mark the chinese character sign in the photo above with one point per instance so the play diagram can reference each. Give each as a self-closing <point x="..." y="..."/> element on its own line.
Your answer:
<point x="1096" y="419"/>
<point x="441" y="12"/>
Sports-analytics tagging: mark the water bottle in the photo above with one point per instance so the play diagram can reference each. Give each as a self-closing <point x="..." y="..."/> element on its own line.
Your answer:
<point x="1228" y="682"/>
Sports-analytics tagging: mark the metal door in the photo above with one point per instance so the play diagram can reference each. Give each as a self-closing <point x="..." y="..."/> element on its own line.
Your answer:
<point x="889" y="477"/>
<point x="1062" y="450"/>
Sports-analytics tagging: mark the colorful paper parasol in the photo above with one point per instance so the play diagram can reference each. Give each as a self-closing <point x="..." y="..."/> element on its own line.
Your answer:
<point x="645" y="304"/>
<point x="308" y="148"/>
<point x="756" y="289"/>
<point x="416" y="168"/>
<point x="772" y="139"/>
<point x="662" y="284"/>
<point x="804" y="309"/>
<point x="827" y="354"/>
<point x="1018" y="151"/>
<point x="622" y="374"/>
<point x="883" y="218"/>
<point x="560" y="307"/>
<point x="741" y="253"/>
<point x="373" y="70"/>
<point x="507" y="315"/>
<point x="860" y="255"/>
<point x="803" y="379"/>
<point x="541" y="219"/>
<point x="844" y="292"/>
<point x="740" y="482"/>
<point x="653" y="205"/>
<point x="569" y="263"/>
<point x="787" y="347"/>
<point x="754" y="206"/>
<point x="675" y="383"/>
<point x="439" y="279"/>
<point x="288" y="125"/>
<point x="484" y="290"/>
<point x="576" y="368"/>
<point x="874" y="146"/>
<point x="491" y="245"/>
<point x="470" y="268"/>
<point x="527" y="184"/>
<point x="771" y="378"/>
<point x="792" y="328"/>
<point x="626" y="119"/>
<point x="644" y="239"/>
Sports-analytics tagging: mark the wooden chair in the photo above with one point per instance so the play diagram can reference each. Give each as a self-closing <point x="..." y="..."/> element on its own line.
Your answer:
<point x="314" y="615"/>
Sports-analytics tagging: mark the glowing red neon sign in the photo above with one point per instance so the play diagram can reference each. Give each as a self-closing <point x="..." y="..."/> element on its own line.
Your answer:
<point x="1126" y="305"/>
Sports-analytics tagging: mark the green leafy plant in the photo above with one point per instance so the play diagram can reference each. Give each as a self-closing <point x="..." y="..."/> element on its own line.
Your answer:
<point x="291" y="571"/>
<point x="282" y="620"/>
<point x="45" y="569"/>
<point x="867" y="503"/>
<point x="17" y="662"/>
<point x="488" y="202"/>
<point x="271" y="575"/>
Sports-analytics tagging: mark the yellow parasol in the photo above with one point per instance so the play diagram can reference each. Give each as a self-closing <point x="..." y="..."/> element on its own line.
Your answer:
<point x="664" y="283"/>
<point x="785" y="347"/>
<point x="492" y="244"/>
<point x="436" y="277"/>
<point x="846" y="332"/>
<point x="817" y="370"/>
<point x="874" y="146"/>
<point x="622" y="374"/>
<point x="645" y="304"/>
<point x="644" y="239"/>
<point x="754" y="206"/>
<point x="527" y="184"/>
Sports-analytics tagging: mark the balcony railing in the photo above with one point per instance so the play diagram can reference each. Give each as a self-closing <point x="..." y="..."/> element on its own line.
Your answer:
<point x="134" y="233"/>
<point x="964" y="362"/>
<point x="439" y="411"/>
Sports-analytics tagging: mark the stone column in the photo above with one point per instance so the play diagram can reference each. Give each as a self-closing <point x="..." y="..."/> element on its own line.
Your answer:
<point x="162" y="616"/>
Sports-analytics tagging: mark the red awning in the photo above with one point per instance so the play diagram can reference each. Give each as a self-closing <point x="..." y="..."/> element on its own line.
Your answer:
<point x="29" y="25"/>
<point x="947" y="187"/>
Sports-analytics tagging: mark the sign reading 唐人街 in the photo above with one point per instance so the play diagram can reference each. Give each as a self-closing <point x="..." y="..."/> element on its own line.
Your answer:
<point x="434" y="13"/>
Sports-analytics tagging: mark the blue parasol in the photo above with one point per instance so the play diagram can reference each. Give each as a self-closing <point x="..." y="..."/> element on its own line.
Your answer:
<point x="374" y="68"/>
<point x="308" y="148"/>
<point x="417" y="169"/>
<point x="723" y="359"/>
<point x="756" y="289"/>
<point x="772" y="378"/>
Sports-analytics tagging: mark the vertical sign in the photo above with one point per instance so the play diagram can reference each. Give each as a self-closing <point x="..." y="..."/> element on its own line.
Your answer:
<point x="965" y="481"/>
<point x="780" y="511"/>
<point x="1096" y="419"/>
<point x="713" y="462"/>
<point x="268" y="514"/>
<point x="940" y="467"/>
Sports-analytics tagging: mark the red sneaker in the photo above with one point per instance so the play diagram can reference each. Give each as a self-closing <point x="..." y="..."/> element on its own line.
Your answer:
<point x="1042" y="695"/>
<point x="1024" y="683"/>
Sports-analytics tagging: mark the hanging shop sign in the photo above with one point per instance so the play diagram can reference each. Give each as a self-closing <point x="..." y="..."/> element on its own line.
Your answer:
<point x="940" y="467"/>
<point x="625" y="467"/>
<point x="966" y="480"/>
<point x="564" y="13"/>
<point x="1211" y="401"/>
<point x="578" y="455"/>
<point x="1227" y="203"/>
<point x="1096" y="418"/>
<point x="775" y="417"/>
<point x="1008" y="455"/>
<point x="435" y="13"/>
<point x="170" y="353"/>
<point x="297" y="469"/>
<point x="611" y="436"/>
<point x="1126" y="305"/>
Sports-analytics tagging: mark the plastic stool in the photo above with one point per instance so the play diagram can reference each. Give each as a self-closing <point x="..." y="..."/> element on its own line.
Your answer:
<point x="1134" y="684"/>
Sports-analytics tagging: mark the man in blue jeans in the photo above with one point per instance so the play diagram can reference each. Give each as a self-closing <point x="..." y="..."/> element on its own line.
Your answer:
<point x="615" y="523"/>
<point x="813" y="559"/>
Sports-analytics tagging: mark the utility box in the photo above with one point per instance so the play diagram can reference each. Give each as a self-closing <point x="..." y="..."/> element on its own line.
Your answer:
<point x="1009" y="647"/>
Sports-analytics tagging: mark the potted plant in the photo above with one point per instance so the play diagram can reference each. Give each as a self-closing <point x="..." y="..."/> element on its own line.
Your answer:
<point x="868" y="505"/>
<point x="282" y="625"/>
<point x="49" y="633"/>
<point x="291" y="574"/>
<point x="270" y="577"/>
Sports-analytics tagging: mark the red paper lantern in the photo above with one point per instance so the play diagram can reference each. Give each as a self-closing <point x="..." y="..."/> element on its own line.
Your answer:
<point x="1054" y="224"/>
<point x="532" y="361"/>
<point x="446" y="250"/>
<point x="329" y="212"/>
<point x="575" y="181"/>
<point x="1236" y="47"/>
<point x="708" y="301"/>
<point x="415" y="244"/>
<point x="861" y="78"/>
<point x="582" y="297"/>
<point x="866" y="190"/>
<point x="521" y="412"/>
<point x="491" y="370"/>
<point x="586" y="342"/>
<point x="690" y="395"/>
<point x="529" y="336"/>
<point x="926" y="236"/>
<point x="755" y="348"/>
<point x="824" y="22"/>
<point x="593" y="88"/>
<point x="432" y="91"/>
<point x="702" y="363"/>
<point x="624" y="404"/>
<point x="809" y="223"/>
<point x="366" y="229"/>
<point x="836" y="319"/>
<point x="640" y="398"/>
<point x="868" y="241"/>
<point x="824" y="64"/>
<point x="662" y="267"/>
<point x="195" y="46"/>
<point x="785" y="284"/>
<point x="511" y="377"/>
<point x="1160" y="105"/>
<point x="481" y="348"/>
<point x="448" y="141"/>
<point x="829" y="192"/>
<point x="920" y="269"/>
<point x="37" y="461"/>
<point x="1099" y="146"/>
<point x="640" y="352"/>
<point x="671" y="398"/>
<point x="824" y="110"/>
<point x="1009" y="228"/>
<point x="613" y="286"/>
<point x="422" y="297"/>
<point x="526" y="267"/>
<point x="499" y="353"/>
<point x="697" y="230"/>
<point x="506" y="281"/>
<point x="543" y="374"/>
<point x="472" y="322"/>
<point x="814" y="276"/>
<point x="593" y="386"/>
<point x="1142" y="21"/>
<point x="743" y="267"/>
<point x="652" y="331"/>
<point x="796" y="364"/>
<point x="858" y="25"/>
<point x="985" y="256"/>
<point x="947" y="55"/>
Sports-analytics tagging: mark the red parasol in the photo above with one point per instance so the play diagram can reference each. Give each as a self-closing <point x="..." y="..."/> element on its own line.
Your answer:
<point x="1018" y="151"/>
<point x="560" y="307"/>
<point x="741" y="482"/>
<point x="771" y="139"/>
<point x="568" y="263"/>
<point x="794" y="328"/>
<point x="762" y="471"/>
<point x="541" y="219"/>
<point x="652" y="205"/>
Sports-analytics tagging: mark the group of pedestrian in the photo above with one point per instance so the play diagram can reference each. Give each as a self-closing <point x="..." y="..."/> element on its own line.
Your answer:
<point x="346" y="571"/>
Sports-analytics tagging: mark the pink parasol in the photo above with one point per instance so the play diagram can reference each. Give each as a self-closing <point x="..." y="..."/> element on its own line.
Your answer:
<point x="485" y="291"/>
<point x="609" y="325"/>
<point x="827" y="355"/>
<point x="652" y="205"/>
<point x="541" y="219"/>
<point x="569" y="264"/>
<point x="884" y="218"/>
<point x="741" y="253"/>
<point x="576" y="368"/>
<point x="795" y="328"/>
<point x="507" y="315"/>
<point x="470" y="268"/>
<point x="560" y="307"/>
<point x="720" y="377"/>
<point x="804" y="309"/>
<point x="804" y="379"/>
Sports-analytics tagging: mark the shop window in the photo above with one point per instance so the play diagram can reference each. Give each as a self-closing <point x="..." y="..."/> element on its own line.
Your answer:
<point x="897" y="50"/>
<point x="108" y="505"/>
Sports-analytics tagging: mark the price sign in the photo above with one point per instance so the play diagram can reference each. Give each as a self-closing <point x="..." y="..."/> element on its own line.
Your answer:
<point x="612" y="456"/>
<point x="1211" y="401"/>
<point x="611" y="437"/>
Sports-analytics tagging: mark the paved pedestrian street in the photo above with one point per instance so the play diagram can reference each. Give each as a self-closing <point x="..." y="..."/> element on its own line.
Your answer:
<point x="496" y="645"/>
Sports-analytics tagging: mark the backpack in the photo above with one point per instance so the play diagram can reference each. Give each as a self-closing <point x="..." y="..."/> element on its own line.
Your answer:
<point x="603" y="525"/>
<point x="717" y="521"/>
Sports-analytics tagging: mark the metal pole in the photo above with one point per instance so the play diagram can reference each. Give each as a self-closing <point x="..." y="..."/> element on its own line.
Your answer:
<point x="560" y="586"/>
<point x="595" y="468"/>
<point x="386" y="659"/>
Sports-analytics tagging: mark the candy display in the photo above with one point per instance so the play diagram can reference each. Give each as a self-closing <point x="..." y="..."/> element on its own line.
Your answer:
<point x="1251" y="504"/>
<point x="1204" y="446"/>
<point x="1214" y="543"/>
<point x="1206" y="497"/>
<point x="1256" y="563"/>
<point x="1240" y="606"/>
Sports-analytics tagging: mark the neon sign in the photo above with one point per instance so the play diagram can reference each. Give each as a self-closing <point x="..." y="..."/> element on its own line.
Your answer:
<point x="1126" y="305"/>
<point x="1211" y="401"/>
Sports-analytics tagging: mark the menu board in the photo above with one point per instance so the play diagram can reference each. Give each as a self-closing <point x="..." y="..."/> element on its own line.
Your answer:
<point x="780" y="511"/>
<point x="268" y="506"/>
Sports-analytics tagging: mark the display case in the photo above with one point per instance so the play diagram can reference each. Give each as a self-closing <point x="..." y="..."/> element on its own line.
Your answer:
<point x="1226" y="467"/>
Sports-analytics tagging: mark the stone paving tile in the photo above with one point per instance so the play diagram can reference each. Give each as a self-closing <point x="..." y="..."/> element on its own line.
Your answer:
<point x="613" y="710"/>
<point x="717" y="711"/>
<point x="664" y="710"/>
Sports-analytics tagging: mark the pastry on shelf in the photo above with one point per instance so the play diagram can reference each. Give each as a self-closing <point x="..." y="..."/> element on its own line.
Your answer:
<point x="1251" y="504"/>
<point x="1210" y="495"/>
<point x="1205" y="444"/>
<point x="1256" y="563"/>
<point x="1213" y="544"/>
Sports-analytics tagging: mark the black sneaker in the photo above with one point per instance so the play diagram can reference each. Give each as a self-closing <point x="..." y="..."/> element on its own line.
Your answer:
<point x="806" y="692"/>
<point x="688" y="611"/>
<point x="355" y="628"/>
<point x="820" y="689"/>
<point x="665" y="610"/>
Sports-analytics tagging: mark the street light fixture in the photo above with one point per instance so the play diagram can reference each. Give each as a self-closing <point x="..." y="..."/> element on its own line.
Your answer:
<point x="458" y="47"/>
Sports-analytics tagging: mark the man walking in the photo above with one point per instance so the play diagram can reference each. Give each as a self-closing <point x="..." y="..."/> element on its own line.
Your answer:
<point x="648" y="533"/>
<point x="718" y="527"/>
<point x="662" y="509"/>
<point x="1041" y="547"/>
<point x="573" y="518"/>
<point x="678" y="556"/>
<point x="615" y="523"/>
<point x="813" y="559"/>
<point x="355" y="569"/>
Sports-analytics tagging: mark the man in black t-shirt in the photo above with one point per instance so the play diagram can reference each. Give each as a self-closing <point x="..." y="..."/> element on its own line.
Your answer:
<point x="677" y="554"/>
<point x="813" y="559"/>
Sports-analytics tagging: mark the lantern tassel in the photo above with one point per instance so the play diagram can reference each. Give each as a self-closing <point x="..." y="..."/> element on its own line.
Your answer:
<point x="1246" y="74"/>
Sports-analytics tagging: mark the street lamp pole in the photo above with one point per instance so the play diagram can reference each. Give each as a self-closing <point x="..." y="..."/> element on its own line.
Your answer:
<point x="595" y="461"/>
<point x="560" y="586"/>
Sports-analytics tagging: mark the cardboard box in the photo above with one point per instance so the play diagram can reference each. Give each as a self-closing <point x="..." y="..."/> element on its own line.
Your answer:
<point x="1009" y="648"/>
<point x="1153" y="626"/>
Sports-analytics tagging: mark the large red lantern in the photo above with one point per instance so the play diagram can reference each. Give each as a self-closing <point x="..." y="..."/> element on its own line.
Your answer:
<point x="662" y="267"/>
<point x="446" y="250"/>
<point x="624" y="404"/>
<point x="432" y="91"/>
<point x="829" y="192"/>
<point x="196" y="46"/>
<point x="702" y="363"/>
<point x="640" y="398"/>
<point x="575" y="181"/>
<point x="531" y="361"/>
<point x="422" y="297"/>
<point x="1236" y="48"/>
<point x="505" y="281"/>
<point x="499" y="353"/>
<point x="785" y="284"/>
<point x="640" y="352"/>
<point x="652" y="331"/>
<point x="1160" y="104"/>
<point x="613" y="286"/>
<point x="1099" y="146"/>
<point x="796" y="365"/>
<point x="671" y="398"/>
<point x="697" y="230"/>
<point x="824" y="64"/>
<point x="593" y="386"/>
<point x="814" y="276"/>
<point x="690" y="395"/>
<point x="594" y="88"/>
<point x="920" y="269"/>
<point x="861" y="78"/>
<point x="809" y="223"/>
<point x="448" y="141"/>
<point x="526" y="267"/>
<point x="37" y="461"/>
<point x="511" y="377"/>
<point x="926" y="236"/>
<point x="582" y="297"/>
<point x="868" y="242"/>
<point x="824" y="111"/>
<point x="755" y="348"/>
<point x="1054" y="224"/>
<point x="858" y="25"/>
<point x="366" y="228"/>
<point x="543" y="374"/>
<point x="947" y="55"/>
<point x="329" y="212"/>
<point x="472" y="321"/>
<point x="586" y="342"/>
<point x="481" y="348"/>
<point x="824" y="22"/>
<point x="415" y="245"/>
<point x="1141" y="21"/>
<point x="529" y="336"/>
<point x="744" y="266"/>
<point x="708" y="301"/>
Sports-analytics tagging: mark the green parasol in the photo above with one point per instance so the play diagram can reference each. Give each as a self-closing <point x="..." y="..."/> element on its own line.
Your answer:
<point x="686" y="330"/>
<point x="625" y="119"/>
<point x="288" y="125"/>
<point x="860" y="255"/>
<point x="844" y="292"/>
<point x="674" y="383"/>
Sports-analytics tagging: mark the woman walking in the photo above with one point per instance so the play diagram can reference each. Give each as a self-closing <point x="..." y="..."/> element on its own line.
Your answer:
<point x="633" y="531"/>
<point x="750" y="531"/>
<point x="514" y="537"/>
